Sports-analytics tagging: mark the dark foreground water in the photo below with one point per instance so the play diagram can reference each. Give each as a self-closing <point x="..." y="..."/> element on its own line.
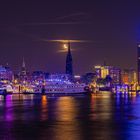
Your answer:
<point x="100" y="117"/>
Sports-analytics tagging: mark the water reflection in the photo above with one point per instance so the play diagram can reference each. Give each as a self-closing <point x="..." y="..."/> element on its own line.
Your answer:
<point x="66" y="109"/>
<point x="101" y="116"/>
<point x="44" y="108"/>
<point x="67" y="125"/>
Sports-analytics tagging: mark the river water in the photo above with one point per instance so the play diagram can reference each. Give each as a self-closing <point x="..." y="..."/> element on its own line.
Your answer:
<point x="99" y="117"/>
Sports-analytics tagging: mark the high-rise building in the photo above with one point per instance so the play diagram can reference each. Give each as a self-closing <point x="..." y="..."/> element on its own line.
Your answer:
<point x="104" y="71"/>
<point x="115" y="74"/>
<point x="69" y="65"/>
<point x="138" y="63"/>
<point x="129" y="76"/>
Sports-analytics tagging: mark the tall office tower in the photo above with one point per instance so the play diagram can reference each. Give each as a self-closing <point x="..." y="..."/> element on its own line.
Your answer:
<point x="138" y="62"/>
<point x="69" y="65"/>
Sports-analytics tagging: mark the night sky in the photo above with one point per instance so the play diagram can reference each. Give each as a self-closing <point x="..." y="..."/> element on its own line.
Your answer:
<point x="112" y="27"/>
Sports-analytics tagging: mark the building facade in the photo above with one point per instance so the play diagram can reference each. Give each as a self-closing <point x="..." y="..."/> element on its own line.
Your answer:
<point x="104" y="71"/>
<point x="129" y="76"/>
<point x="6" y="74"/>
<point x="38" y="75"/>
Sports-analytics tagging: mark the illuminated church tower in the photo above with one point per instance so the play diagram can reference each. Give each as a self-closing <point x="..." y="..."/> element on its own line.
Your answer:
<point x="69" y="65"/>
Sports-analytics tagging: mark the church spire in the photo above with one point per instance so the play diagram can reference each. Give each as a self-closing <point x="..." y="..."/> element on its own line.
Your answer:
<point x="23" y="69"/>
<point x="23" y="63"/>
<point x="69" y="65"/>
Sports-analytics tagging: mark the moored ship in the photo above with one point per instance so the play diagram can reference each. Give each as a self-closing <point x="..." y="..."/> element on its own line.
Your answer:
<point x="60" y="84"/>
<point x="65" y="88"/>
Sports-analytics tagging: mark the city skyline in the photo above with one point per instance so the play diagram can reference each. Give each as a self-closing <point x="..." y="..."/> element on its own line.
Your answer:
<point x="69" y="70"/>
<point x="112" y="27"/>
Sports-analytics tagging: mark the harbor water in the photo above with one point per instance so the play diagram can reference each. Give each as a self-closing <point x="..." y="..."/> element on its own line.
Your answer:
<point x="103" y="116"/>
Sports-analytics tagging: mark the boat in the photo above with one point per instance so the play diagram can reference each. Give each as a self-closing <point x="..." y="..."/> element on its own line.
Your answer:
<point x="60" y="85"/>
<point x="63" y="86"/>
<point x="65" y="89"/>
<point x="6" y="89"/>
<point x="61" y="89"/>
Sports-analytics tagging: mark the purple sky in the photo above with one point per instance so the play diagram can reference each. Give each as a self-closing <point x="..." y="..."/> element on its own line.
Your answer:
<point x="114" y="28"/>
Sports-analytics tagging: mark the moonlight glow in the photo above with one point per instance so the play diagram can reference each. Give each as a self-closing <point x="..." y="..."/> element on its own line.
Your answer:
<point x="65" y="46"/>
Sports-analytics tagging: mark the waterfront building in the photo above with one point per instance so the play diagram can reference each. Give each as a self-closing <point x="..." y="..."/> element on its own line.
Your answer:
<point x="69" y="62"/>
<point x="38" y="75"/>
<point x="129" y="76"/>
<point x="6" y="74"/>
<point x="89" y="78"/>
<point x="104" y="71"/>
<point x="115" y="74"/>
<point x="101" y="71"/>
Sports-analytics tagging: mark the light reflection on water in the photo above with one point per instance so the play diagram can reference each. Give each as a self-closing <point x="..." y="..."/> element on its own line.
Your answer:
<point x="101" y="116"/>
<point x="44" y="108"/>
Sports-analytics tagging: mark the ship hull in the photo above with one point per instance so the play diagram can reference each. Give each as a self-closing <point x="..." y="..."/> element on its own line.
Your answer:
<point x="67" y="94"/>
<point x="59" y="94"/>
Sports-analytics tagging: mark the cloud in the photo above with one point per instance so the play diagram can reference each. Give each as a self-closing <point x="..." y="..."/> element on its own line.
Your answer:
<point x="64" y="50"/>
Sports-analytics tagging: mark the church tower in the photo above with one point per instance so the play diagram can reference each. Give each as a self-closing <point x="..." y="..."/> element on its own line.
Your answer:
<point x="69" y="63"/>
<point x="23" y="68"/>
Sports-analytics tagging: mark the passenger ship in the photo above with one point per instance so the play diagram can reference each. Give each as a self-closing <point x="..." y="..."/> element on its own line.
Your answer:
<point x="65" y="88"/>
<point x="54" y="85"/>
<point x="61" y="85"/>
